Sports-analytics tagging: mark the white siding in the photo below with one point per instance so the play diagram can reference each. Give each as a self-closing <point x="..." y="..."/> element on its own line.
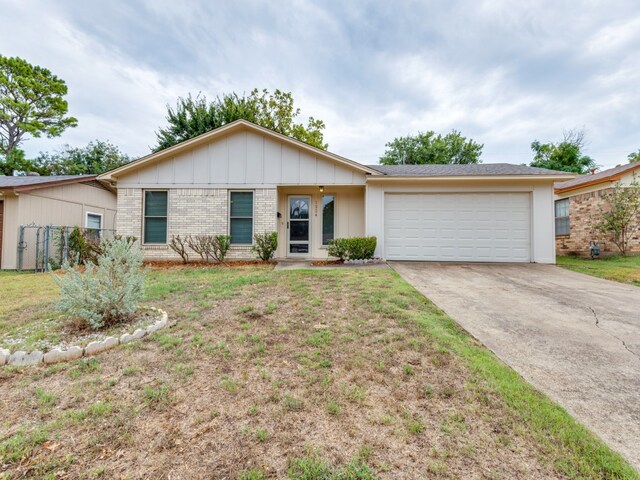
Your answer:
<point x="242" y="160"/>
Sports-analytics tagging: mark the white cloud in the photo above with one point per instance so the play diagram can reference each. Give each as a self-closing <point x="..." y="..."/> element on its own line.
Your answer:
<point x="501" y="72"/>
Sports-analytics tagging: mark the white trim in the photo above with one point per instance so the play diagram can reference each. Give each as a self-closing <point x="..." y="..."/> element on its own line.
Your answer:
<point x="144" y="217"/>
<point x="308" y="197"/>
<point x="86" y="219"/>
<point x="335" y="201"/>
<point x="253" y="216"/>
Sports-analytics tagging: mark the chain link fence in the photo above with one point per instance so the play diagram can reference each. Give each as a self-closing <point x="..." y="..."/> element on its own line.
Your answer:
<point x="44" y="248"/>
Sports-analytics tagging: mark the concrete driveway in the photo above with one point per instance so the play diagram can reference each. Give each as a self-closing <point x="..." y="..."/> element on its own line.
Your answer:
<point x="572" y="336"/>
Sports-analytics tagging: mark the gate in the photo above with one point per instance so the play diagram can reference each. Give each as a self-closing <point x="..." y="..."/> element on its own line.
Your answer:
<point x="46" y="247"/>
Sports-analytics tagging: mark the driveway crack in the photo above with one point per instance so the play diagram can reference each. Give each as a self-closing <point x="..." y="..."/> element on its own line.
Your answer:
<point x="595" y="315"/>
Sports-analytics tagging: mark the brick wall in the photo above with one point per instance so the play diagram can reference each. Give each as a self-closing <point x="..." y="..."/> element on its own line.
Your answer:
<point x="584" y="212"/>
<point x="195" y="211"/>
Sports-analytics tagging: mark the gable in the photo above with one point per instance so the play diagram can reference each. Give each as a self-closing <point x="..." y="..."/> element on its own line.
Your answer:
<point x="241" y="157"/>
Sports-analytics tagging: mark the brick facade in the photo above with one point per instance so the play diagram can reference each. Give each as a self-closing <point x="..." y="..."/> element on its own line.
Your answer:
<point x="584" y="210"/>
<point x="195" y="211"/>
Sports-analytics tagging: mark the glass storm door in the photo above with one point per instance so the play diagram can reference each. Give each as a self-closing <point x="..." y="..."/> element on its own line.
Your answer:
<point x="299" y="225"/>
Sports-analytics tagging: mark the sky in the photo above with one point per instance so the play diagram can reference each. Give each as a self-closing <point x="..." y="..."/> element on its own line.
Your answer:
<point x="502" y="72"/>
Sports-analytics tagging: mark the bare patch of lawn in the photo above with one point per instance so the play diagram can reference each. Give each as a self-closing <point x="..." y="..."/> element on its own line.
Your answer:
<point x="346" y="374"/>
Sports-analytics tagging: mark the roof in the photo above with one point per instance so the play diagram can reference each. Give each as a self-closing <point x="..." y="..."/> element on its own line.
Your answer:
<point x="610" y="175"/>
<point x="226" y="129"/>
<point x="29" y="182"/>
<point x="464" y="170"/>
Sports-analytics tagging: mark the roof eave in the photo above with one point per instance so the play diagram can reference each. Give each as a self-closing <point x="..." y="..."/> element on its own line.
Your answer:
<point x="611" y="178"/>
<point x="405" y="178"/>
<point x="54" y="183"/>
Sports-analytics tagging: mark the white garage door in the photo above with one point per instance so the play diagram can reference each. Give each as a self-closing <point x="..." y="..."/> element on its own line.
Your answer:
<point x="467" y="227"/>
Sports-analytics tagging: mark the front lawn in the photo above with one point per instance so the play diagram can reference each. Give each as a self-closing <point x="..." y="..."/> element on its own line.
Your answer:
<point x="618" y="268"/>
<point x="333" y="374"/>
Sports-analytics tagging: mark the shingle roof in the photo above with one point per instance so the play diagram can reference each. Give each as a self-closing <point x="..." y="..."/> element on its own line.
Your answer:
<point x="480" y="169"/>
<point x="600" y="177"/>
<point x="9" y="182"/>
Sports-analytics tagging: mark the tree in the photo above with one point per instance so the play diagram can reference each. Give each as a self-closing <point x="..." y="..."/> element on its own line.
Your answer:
<point x="194" y="116"/>
<point x="565" y="156"/>
<point x="620" y="217"/>
<point x="634" y="157"/>
<point x="96" y="158"/>
<point x="30" y="103"/>
<point x="16" y="161"/>
<point x="428" y="147"/>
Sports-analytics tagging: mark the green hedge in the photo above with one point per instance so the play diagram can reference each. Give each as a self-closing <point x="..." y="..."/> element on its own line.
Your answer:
<point x="354" y="248"/>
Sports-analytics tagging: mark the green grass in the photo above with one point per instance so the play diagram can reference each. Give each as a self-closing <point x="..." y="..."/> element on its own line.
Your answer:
<point x="617" y="268"/>
<point x="329" y="379"/>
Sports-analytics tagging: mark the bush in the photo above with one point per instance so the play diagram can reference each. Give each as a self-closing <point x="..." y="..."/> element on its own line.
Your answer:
<point x="201" y="244"/>
<point x="265" y="245"/>
<point x="354" y="248"/>
<point x="338" y="248"/>
<point x="105" y="293"/>
<point x="179" y="245"/>
<point x="83" y="247"/>
<point x="220" y="245"/>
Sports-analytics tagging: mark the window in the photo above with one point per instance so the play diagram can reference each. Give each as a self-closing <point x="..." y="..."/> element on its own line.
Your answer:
<point x="155" y="217"/>
<point x="93" y="224"/>
<point x="328" y="218"/>
<point x="562" y="217"/>
<point x="94" y="221"/>
<point x="241" y="218"/>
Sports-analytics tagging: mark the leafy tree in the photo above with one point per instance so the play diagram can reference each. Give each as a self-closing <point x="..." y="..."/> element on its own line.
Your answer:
<point x="620" y="217"/>
<point x="30" y="103"/>
<point x="194" y="116"/>
<point x="96" y="158"/>
<point x="16" y="161"/>
<point x="634" y="157"/>
<point x="565" y="156"/>
<point x="429" y="148"/>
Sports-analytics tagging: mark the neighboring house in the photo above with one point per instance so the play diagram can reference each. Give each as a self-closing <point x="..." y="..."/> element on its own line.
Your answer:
<point x="242" y="179"/>
<point x="64" y="200"/>
<point x="578" y="204"/>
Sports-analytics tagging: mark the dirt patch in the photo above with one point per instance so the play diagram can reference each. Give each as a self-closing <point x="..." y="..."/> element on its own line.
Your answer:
<point x="324" y="263"/>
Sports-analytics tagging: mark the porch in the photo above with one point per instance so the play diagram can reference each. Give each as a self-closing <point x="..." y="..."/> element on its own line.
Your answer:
<point x="308" y="217"/>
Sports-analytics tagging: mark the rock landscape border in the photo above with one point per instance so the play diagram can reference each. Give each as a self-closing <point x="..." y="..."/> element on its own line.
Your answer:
<point x="21" y="358"/>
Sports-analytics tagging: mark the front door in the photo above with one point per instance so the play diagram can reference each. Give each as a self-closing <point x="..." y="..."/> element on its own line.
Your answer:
<point x="298" y="226"/>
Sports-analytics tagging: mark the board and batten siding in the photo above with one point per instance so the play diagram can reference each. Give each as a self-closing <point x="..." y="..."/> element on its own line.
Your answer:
<point x="59" y="205"/>
<point x="242" y="160"/>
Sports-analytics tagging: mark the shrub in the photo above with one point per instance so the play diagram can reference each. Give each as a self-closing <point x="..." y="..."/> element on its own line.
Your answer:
<point x="338" y="248"/>
<point x="105" y="293"/>
<point x="265" y="245"/>
<point x="179" y="245"/>
<point x="220" y="245"/>
<point x="201" y="244"/>
<point x="354" y="248"/>
<point x="83" y="247"/>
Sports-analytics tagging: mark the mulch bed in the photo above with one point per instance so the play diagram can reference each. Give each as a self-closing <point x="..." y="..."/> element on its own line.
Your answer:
<point x="176" y="264"/>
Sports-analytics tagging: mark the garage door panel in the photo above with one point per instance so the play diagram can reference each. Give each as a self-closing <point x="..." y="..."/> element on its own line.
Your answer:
<point x="482" y="227"/>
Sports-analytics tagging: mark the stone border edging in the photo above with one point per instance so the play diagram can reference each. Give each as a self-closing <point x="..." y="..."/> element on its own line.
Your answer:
<point x="21" y="358"/>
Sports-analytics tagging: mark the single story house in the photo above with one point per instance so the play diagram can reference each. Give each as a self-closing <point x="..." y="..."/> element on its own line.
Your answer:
<point x="242" y="179"/>
<point x="63" y="200"/>
<point x="578" y="204"/>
